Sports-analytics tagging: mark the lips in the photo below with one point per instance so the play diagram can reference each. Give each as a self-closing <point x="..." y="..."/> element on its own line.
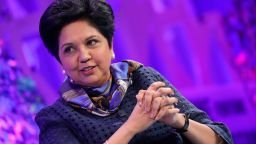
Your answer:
<point x="89" y="70"/>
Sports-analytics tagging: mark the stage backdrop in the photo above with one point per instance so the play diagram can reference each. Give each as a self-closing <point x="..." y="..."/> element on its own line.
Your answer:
<point x="206" y="49"/>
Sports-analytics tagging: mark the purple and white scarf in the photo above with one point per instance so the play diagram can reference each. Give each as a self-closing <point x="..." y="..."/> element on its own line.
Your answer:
<point x="103" y="100"/>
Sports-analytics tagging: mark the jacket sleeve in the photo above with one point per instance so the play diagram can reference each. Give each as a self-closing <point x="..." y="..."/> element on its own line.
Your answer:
<point x="53" y="129"/>
<point x="186" y="106"/>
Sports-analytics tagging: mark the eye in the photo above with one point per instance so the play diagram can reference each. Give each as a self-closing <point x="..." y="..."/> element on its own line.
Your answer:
<point x="68" y="49"/>
<point x="92" y="42"/>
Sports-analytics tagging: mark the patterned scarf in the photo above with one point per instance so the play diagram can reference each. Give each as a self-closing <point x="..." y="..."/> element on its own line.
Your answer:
<point x="103" y="100"/>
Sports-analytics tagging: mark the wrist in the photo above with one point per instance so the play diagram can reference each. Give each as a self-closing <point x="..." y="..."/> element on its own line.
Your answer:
<point x="180" y="121"/>
<point x="129" y="129"/>
<point x="122" y="136"/>
<point x="183" y="124"/>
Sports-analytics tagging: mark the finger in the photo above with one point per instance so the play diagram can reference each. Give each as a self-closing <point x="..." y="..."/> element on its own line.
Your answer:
<point x="149" y="95"/>
<point x="140" y="96"/>
<point x="163" y="111"/>
<point x="156" y="103"/>
<point x="173" y="110"/>
<point x="164" y="91"/>
<point x="148" y="100"/>
<point x="156" y="85"/>
<point x="169" y="101"/>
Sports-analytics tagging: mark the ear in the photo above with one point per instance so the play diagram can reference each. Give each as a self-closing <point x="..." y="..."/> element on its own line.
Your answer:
<point x="112" y="54"/>
<point x="112" y="50"/>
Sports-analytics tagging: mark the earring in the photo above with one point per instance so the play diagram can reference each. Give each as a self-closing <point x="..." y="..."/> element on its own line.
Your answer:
<point x="63" y="72"/>
<point x="72" y="81"/>
<point x="67" y="77"/>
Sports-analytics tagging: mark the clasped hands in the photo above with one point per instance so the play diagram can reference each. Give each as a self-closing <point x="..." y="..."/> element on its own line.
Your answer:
<point x="153" y="104"/>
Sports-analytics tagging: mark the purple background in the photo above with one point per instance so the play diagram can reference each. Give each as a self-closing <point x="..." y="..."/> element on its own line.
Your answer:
<point x="206" y="49"/>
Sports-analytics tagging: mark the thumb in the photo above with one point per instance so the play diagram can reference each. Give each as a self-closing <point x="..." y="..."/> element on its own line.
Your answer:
<point x="140" y="97"/>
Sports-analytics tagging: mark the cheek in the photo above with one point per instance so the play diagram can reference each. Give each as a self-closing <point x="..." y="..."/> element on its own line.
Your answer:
<point x="104" y="59"/>
<point x="68" y="64"/>
<point x="104" y="56"/>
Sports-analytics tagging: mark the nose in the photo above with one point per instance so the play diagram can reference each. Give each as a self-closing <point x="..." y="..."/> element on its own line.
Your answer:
<point x="84" y="55"/>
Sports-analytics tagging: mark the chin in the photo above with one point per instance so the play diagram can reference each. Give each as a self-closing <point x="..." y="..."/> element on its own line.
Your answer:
<point x="90" y="83"/>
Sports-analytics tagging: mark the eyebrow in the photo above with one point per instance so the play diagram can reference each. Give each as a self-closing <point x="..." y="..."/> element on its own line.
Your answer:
<point x="70" y="43"/>
<point x="66" y="44"/>
<point x="90" y="37"/>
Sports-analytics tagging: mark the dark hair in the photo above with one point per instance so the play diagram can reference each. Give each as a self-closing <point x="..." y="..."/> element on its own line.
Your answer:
<point x="63" y="12"/>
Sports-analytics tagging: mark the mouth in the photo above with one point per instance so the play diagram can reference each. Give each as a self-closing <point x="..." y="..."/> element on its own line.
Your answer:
<point x="85" y="69"/>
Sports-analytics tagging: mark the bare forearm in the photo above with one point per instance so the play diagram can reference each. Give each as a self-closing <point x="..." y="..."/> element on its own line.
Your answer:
<point x="199" y="133"/>
<point x="122" y="136"/>
<point x="137" y="122"/>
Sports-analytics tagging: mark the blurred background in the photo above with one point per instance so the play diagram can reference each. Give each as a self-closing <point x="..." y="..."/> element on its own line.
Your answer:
<point x="207" y="49"/>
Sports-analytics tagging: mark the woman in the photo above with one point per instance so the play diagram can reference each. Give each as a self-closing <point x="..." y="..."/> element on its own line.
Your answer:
<point x="109" y="103"/>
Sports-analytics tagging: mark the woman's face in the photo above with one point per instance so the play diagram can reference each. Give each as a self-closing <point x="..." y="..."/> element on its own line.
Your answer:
<point x="85" y="54"/>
